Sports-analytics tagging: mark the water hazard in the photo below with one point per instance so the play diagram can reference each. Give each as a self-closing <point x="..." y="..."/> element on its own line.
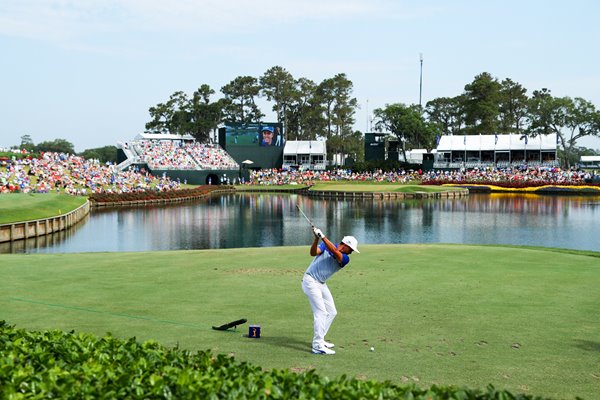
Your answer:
<point x="264" y="220"/>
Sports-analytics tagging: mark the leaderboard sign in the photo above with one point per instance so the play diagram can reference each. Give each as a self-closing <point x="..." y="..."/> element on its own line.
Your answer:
<point x="265" y="134"/>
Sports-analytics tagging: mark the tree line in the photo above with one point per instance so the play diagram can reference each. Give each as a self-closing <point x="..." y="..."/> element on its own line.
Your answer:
<point x="103" y="154"/>
<point x="310" y="110"/>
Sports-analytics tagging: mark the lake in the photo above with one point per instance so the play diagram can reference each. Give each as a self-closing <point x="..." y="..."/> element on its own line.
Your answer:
<point x="268" y="219"/>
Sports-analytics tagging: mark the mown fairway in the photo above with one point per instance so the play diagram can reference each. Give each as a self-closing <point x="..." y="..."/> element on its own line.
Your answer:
<point x="522" y="319"/>
<point x="24" y="207"/>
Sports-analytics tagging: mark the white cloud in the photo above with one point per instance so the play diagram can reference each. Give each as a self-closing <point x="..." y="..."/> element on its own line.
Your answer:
<point x="58" y="20"/>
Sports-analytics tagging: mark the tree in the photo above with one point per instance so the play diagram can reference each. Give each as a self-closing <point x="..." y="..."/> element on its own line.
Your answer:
<point x="407" y="124"/>
<point x="278" y="85"/>
<point x="482" y="105"/>
<point x="239" y="104"/>
<point x="204" y="116"/>
<point x="161" y="116"/>
<point x="56" y="146"/>
<point x="326" y="96"/>
<point x="351" y="145"/>
<point x="103" y="154"/>
<point x="447" y="114"/>
<point x="338" y="105"/>
<point x="164" y="118"/>
<point x="344" y="107"/>
<point x="513" y="107"/>
<point x="184" y="116"/>
<point x="570" y="119"/>
<point x="306" y="113"/>
<point x="27" y="143"/>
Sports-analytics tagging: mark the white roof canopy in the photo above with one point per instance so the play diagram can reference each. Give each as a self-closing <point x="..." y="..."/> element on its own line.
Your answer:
<point x="304" y="147"/>
<point x="496" y="143"/>
<point x="163" y="136"/>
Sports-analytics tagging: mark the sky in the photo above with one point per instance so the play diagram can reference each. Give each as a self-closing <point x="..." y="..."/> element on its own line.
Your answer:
<point x="88" y="70"/>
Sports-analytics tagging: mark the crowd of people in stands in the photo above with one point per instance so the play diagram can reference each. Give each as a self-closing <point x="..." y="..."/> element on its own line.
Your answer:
<point x="211" y="156"/>
<point x="538" y="175"/>
<point x="60" y="172"/>
<point x="77" y="176"/>
<point x="170" y="154"/>
<point x="165" y="155"/>
<point x="545" y="175"/>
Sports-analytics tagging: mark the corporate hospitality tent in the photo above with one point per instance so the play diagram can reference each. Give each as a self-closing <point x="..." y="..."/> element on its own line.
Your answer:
<point x="305" y="154"/>
<point x="497" y="149"/>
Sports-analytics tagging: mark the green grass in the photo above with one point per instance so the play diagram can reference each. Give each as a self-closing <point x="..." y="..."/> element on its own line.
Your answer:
<point x="523" y="319"/>
<point x="18" y="207"/>
<point x="243" y="188"/>
<point x="347" y="186"/>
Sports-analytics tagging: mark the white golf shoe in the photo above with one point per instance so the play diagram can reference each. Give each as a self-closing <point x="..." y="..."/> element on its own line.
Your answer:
<point x="329" y="345"/>
<point x="322" y="350"/>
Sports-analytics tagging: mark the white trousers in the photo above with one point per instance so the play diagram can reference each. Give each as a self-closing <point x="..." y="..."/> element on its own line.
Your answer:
<point x="322" y="306"/>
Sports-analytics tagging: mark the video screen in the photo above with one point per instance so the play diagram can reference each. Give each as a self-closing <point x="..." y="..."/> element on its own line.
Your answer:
<point x="265" y="134"/>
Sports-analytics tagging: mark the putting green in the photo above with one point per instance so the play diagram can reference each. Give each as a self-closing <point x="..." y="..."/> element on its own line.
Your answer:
<point x="522" y="319"/>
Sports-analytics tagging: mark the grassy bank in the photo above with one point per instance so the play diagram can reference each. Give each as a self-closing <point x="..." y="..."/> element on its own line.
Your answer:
<point x="522" y="319"/>
<point x="18" y="207"/>
<point x="347" y="186"/>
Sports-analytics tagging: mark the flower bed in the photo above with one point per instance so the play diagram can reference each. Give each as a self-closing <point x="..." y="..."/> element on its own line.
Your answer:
<point x="521" y="186"/>
<point x="150" y="195"/>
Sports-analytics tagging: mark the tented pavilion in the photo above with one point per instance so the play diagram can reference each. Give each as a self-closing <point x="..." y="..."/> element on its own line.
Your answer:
<point x="305" y="155"/>
<point x="498" y="150"/>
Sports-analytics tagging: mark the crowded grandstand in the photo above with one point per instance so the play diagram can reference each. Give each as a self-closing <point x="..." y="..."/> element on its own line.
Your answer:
<point x="178" y="157"/>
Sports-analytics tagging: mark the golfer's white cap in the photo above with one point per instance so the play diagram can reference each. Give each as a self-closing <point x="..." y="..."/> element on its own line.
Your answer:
<point x="351" y="242"/>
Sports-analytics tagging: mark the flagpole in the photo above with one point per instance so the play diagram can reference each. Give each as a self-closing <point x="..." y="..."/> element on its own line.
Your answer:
<point x="420" y="79"/>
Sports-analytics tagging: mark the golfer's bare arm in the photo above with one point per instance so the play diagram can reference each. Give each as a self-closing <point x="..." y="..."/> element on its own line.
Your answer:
<point x="315" y="250"/>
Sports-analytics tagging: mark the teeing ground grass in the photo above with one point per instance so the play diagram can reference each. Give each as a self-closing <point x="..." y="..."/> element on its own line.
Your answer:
<point x="522" y="319"/>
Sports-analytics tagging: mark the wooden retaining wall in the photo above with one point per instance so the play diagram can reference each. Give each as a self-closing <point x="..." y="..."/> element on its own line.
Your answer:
<point x="386" y="195"/>
<point x="40" y="227"/>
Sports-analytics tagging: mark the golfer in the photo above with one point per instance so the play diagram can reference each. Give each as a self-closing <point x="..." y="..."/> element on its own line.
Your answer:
<point x="328" y="259"/>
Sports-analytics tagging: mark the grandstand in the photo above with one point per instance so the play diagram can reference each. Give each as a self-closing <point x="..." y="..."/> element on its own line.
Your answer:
<point x="178" y="157"/>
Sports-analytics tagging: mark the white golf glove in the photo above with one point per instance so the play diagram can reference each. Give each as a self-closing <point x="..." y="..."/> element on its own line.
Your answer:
<point x="318" y="233"/>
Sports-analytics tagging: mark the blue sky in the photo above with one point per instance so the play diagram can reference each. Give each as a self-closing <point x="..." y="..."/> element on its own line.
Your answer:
<point x="88" y="70"/>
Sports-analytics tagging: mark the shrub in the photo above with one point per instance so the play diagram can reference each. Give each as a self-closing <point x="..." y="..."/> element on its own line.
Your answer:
<point x="55" y="364"/>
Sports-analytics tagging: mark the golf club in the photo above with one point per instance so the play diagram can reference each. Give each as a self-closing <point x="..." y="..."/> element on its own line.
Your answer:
<point x="304" y="215"/>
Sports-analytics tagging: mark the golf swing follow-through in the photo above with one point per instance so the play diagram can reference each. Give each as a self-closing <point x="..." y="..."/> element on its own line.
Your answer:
<point x="328" y="259"/>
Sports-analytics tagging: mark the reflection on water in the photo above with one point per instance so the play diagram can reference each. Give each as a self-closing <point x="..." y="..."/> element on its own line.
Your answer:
<point x="257" y="220"/>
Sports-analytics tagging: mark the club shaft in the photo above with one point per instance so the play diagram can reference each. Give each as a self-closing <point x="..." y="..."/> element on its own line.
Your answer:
<point x="304" y="215"/>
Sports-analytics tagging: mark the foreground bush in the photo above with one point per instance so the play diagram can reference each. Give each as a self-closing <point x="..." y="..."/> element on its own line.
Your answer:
<point x="55" y="364"/>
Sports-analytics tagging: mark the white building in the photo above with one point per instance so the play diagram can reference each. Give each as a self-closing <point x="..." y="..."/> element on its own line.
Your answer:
<point x="305" y="155"/>
<point x="589" y="162"/>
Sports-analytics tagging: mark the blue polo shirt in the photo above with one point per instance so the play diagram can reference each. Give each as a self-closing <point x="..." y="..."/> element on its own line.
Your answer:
<point x="324" y="265"/>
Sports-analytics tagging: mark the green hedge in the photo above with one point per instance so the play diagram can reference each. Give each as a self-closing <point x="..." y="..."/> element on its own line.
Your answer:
<point x="55" y="364"/>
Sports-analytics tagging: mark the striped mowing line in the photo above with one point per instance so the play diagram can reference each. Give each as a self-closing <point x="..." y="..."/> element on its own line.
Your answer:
<point x="117" y="314"/>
